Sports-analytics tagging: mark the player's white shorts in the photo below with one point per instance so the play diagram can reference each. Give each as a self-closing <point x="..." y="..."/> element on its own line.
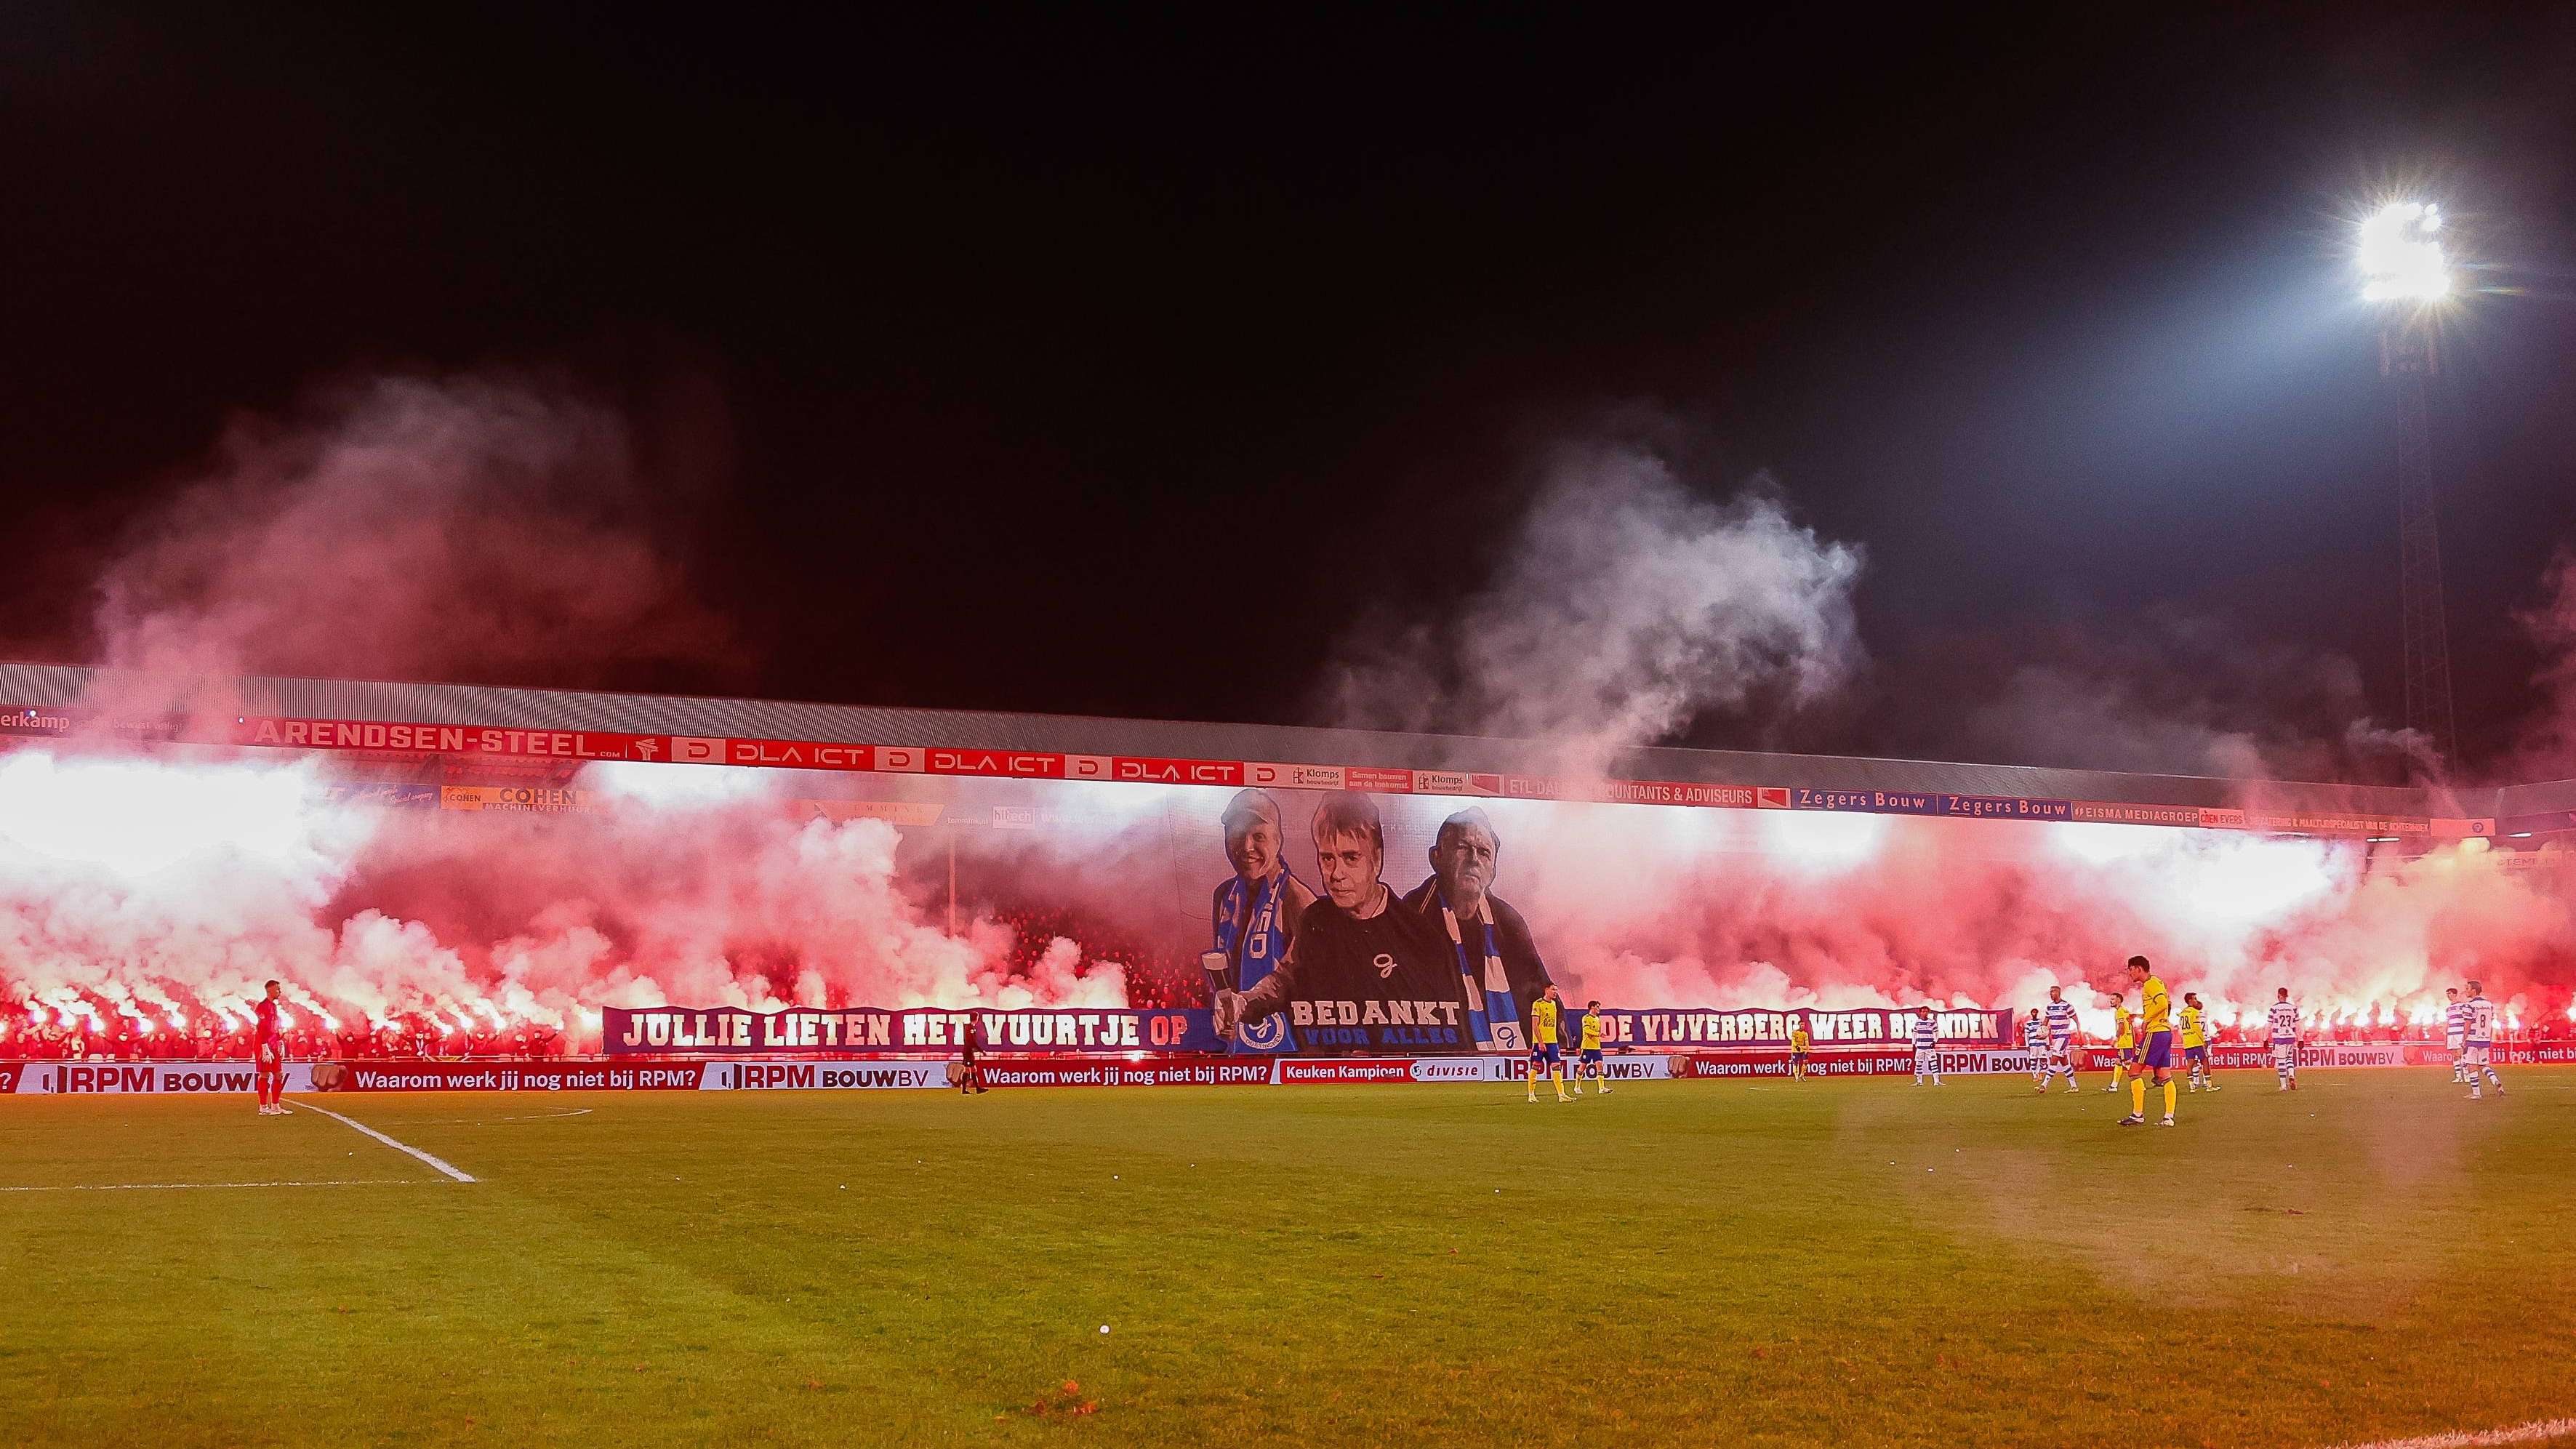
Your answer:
<point x="1927" y="1063"/>
<point x="2060" y="1051"/>
<point x="2285" y="1055"/>
<point x="2474" y="1056"/>
<point x="2457" y="1044"/>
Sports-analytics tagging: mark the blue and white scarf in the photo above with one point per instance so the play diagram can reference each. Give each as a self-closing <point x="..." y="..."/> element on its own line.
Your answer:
<point x="1492" y="1016"/>
<point x="1256" y="944"/>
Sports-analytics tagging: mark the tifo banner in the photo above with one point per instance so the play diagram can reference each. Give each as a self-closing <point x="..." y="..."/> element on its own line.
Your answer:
<point x="717" y="1031"/>
<point x="1361" y="1024"/>
<point x="1706" y="1026"/>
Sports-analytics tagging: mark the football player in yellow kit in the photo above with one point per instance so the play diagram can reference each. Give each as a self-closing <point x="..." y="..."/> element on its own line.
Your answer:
<point x="1543" y="1045"/>
<point x="2125" y="1042"/>
<point x="2155" y="1052"/>
<point x="2195" y="1041"/>
<point x="1588" y="1045"/>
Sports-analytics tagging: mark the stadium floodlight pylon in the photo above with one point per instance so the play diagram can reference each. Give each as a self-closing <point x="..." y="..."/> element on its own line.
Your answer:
<point x="2406" y="274"/>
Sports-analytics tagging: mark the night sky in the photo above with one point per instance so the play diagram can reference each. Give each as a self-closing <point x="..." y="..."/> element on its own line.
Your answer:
<point x="972" y="357"/>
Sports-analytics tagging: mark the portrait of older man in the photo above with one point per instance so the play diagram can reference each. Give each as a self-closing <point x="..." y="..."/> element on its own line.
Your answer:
<point x="1497" y="960"/>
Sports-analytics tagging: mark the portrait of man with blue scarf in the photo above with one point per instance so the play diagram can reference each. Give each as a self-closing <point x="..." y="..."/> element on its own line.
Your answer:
<point x="1498" y="961"/>
<point x="1365" y="971"/>
<point x="1254" y="915"/>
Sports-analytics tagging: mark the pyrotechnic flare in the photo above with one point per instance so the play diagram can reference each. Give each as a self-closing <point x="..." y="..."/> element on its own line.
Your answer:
<point x="163" y="889"/>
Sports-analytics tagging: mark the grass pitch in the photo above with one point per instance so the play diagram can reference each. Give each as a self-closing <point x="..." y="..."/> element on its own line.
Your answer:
<point x="1852" y="1261"/>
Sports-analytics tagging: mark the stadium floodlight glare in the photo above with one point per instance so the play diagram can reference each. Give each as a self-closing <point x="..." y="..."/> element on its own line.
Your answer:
<point x="2401" y="254"/>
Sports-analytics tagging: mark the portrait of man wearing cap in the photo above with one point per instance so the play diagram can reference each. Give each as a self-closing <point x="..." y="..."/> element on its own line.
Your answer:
<point x="1255" y="912"/>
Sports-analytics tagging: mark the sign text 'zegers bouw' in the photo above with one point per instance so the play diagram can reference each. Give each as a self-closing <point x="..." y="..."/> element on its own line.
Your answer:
<point x="729" y="1031"/>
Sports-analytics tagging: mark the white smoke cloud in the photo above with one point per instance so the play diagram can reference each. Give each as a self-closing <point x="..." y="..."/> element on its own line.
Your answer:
<point x="1628" y="606"/>
<point x="2546" y="746"/>
<point x="1646" y="905"/>
<point x="189" y="883"/>
<point x="2169" y="693"/>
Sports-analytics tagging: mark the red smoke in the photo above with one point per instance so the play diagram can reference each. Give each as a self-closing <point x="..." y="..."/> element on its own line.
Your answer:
<point x="1790" y="908"/>
<point x="138" y="885"/>
<point x="481" y="531"/>
<point x="463" y="530"/>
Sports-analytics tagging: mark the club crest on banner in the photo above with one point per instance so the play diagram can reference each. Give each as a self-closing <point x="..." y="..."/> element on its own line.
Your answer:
<point x="1269" y="1034"/>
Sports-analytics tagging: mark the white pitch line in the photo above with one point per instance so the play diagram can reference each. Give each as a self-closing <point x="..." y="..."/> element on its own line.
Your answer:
<point x="2532" y="1432"/>
<point x="170" y="1186"/>
<point x="441" y="1164"/>
<point x="488" y="1121"/>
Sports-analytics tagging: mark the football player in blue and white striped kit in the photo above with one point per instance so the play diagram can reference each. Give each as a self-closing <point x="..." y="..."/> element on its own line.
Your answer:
<point x="2061" y="1036"/>
<point x="2455" y="1032"/>
<point x="2284" y="1021"/>
<point x="2034" y="1040"/>
<point x="2476" y="1057"/>
<point x="1927" y="1042"/>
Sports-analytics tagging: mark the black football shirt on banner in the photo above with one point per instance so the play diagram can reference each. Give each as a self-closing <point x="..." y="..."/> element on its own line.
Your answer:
<point x="1384" y="967"/>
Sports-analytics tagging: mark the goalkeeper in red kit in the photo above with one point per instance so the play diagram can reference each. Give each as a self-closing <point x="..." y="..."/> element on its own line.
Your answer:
<point x="268" y="1055"/>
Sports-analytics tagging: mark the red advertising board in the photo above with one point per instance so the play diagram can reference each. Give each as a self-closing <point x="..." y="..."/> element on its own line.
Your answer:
<point x="506" y="1076"/>
<point x="522" y="742"/>
<point x="775" y="754"/>
<point x="1391" y="1069"/>
<point x="1881" y="1063"/>
<point x="917" y="1073"/>
<point x="1007" y="764"/>
<point x="445" y="739"/>
<point x="1151" y="770"/>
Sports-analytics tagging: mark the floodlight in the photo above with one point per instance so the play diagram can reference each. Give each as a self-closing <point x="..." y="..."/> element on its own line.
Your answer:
<point x="2401" y="259"/>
